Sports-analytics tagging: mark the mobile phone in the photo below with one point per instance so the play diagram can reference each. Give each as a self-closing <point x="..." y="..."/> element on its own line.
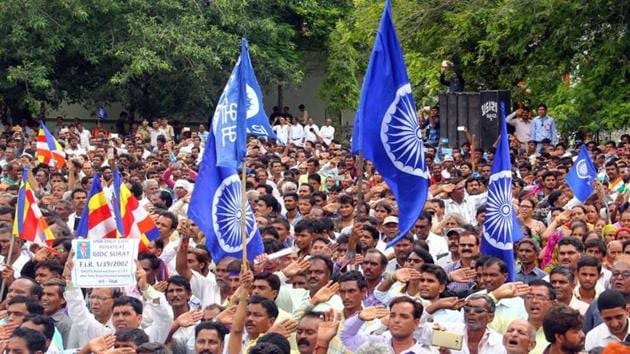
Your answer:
<point x="446" y="339"/>
<point x="461" y="128"/>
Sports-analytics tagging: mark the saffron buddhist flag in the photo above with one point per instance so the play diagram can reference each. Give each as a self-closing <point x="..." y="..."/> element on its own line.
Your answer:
<point x="97" y="221"/>
<point x="132" y="220"/>
<point x="49" y="151"/>
<point x="30" y="224"/>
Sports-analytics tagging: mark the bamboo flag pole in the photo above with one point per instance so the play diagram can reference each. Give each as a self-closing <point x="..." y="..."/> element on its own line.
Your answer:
<point x="361" y="166"/>
<point x="244" y="215"/>
<point x="7" y="264"/>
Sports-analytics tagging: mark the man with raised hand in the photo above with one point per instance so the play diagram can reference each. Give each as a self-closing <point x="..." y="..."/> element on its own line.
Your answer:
<point x="477" y="336"/>
<point x="404" y="318"/>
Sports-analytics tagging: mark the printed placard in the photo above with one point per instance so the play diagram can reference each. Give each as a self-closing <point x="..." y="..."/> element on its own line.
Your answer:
<point x="106" y="263"/>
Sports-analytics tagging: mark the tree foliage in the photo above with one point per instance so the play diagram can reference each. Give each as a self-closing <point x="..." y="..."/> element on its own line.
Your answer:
<point x="573" y="55"/>
<point x="155" y="56"/>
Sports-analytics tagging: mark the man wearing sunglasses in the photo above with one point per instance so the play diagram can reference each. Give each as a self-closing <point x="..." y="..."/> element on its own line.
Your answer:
<point x="478" y="338"/>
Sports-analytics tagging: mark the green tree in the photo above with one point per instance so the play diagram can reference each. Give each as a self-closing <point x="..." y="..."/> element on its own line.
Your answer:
<point x="573" y="55"/>
<point x="157" y="57"/>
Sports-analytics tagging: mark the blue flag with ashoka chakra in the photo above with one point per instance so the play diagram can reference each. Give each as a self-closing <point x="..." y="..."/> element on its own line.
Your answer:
<point x="386" y="127"/>
<point x="582" y="175"/>
<point x="215" y="206"/>
<point x="501" y="228"/>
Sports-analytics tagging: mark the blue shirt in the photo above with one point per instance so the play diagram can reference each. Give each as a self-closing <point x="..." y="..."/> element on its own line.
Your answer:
<point x="544" y="128"/>
<point x="433" y="137"/>
<point x="535" y="274"/>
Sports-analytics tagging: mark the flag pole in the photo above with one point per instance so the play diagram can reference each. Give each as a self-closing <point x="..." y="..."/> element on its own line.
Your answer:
<point x="244" y="215"/>
<point x="7" y="264"/>
<point x="361" y="166"/>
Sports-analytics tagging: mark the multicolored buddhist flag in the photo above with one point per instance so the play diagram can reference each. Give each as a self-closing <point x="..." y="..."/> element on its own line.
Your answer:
<point x="97" y="221"/>
<point x="30" y="224"/>
<point x="49" y="151"/>
<point x="132" y="220"/>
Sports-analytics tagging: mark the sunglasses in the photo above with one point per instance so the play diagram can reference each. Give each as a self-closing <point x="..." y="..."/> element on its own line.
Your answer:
<point x="477" y="309"/>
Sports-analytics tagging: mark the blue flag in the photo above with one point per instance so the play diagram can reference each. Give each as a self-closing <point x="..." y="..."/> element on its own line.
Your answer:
<point x="582" y="175"/>
<point x="102" y="113"/>
<point x="257" y="121"/>
<point x="501" y="228"/>
<point x="229" y="121"/>
<point x="215" y="206"/>
<point x="386" y="127"/>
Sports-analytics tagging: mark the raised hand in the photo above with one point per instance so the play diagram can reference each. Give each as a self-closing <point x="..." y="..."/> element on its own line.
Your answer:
<point x="509" y="290"/>
<point x="298" y="266"/>
<point x="102" y="344"/>
<point x="463" y="275"/>
<point x="373" y="312"/>
<point x="141" y="276"/>
<point x="190" y="318"/>
<point x="160" y="286"/>
<point x="328" y="328"/>
<point x="67" y="269"/>
<point x="450" y="303"/>
<point x="7" y="330"/>
<point x="284" y="328"/>
<point x="226" y="316"/>
<point x="325" y="293"/>
<point x="404" y="275"/>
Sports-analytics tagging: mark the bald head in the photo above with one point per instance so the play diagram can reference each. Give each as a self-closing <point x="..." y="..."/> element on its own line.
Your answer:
<point x="520" y="337"/>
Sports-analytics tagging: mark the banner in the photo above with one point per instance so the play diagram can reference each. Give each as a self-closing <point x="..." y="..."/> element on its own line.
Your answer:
<point x="105" y="263"/>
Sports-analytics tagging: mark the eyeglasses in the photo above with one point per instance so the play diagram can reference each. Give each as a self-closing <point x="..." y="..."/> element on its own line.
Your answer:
<point x="94" y="298"/>
<point x="477" y="310"/>
<point x="625" y="274"/>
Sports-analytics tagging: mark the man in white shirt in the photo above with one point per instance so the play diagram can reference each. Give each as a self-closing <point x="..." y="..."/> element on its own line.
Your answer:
<point x="296" y="133"/>
<point x="73" y="148"/>
<point x="478" y="313"/>
<point x="84" y="135"/>
<point x="311" y="131"/>
<point x="465" y="205"/>
<point x="522" y="122"/>
<point x="422" y="231"/>
<point x="327" y="131"/>
<point x="282" y="130"/>
<point x="616" y="327"/>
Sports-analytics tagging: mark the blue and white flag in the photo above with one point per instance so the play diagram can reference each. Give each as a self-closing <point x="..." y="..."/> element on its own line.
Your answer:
<point x="229" y="123"/>
<point x="582" y="175"/>
<point x="257" y="121"/>
<point x="501" y="228"/>
<point x="102" y="113"/>
<point x="215" y="206"/>
<point x="386" y="127"/>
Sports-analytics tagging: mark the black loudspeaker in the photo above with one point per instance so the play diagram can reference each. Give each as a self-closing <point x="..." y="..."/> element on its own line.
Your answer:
<point x="489" y="117"/>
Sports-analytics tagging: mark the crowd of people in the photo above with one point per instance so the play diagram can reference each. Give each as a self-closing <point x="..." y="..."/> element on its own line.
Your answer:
<point x="338" y="289"/>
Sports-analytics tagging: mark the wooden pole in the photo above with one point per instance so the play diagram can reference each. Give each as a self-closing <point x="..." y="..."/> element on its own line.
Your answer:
<point x="7" y="264"/>
<point x="244" y="202"/>
<point x="361" y="166"/>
